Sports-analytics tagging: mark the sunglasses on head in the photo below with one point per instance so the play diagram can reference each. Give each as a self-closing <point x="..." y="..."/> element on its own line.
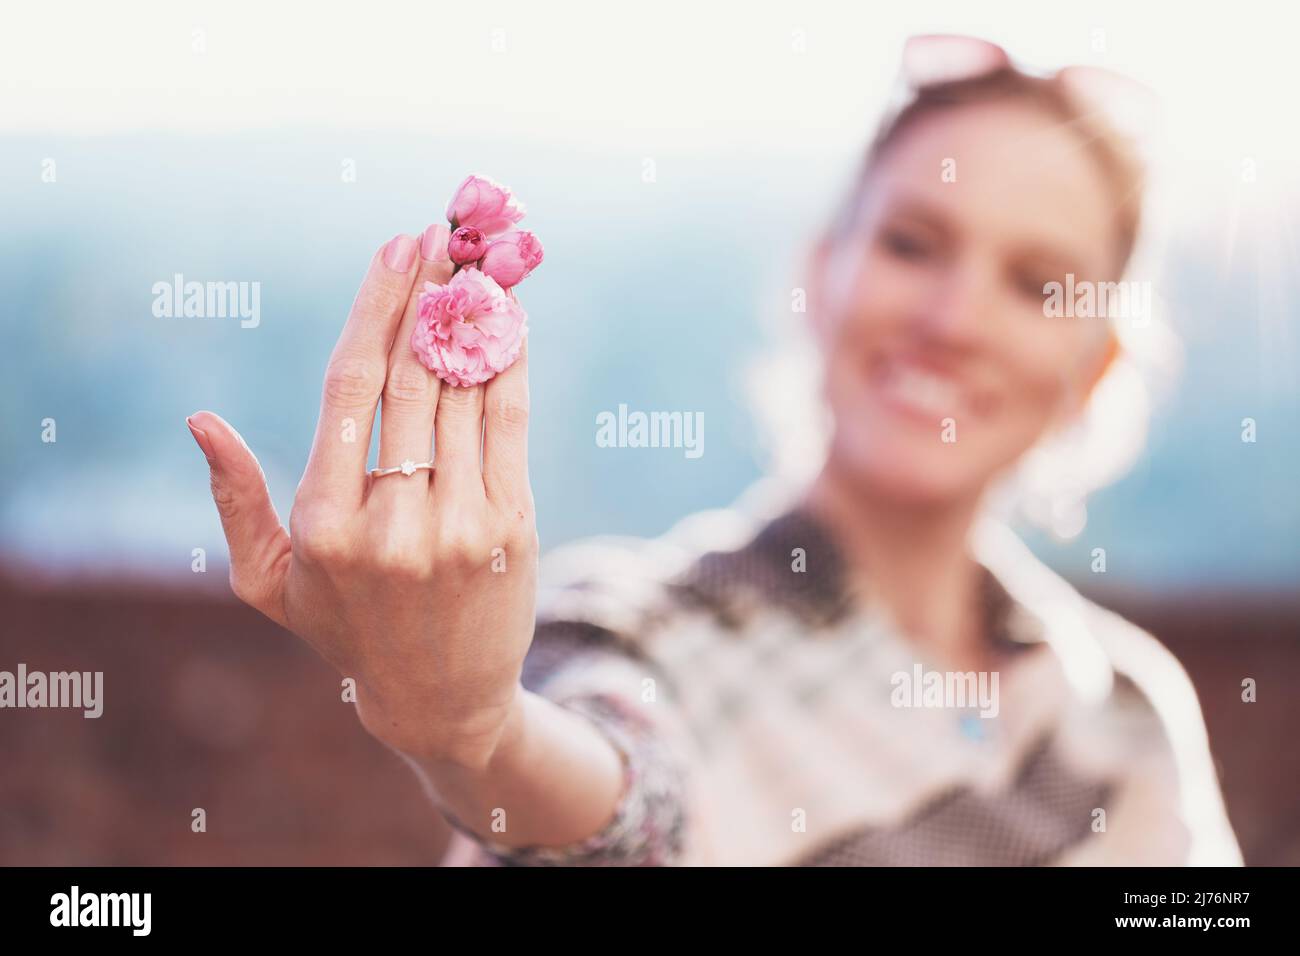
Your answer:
<point x="1129" y="107"/>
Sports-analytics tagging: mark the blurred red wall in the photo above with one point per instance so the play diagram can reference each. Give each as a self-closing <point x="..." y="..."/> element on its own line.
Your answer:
<point x="209" y="705"/>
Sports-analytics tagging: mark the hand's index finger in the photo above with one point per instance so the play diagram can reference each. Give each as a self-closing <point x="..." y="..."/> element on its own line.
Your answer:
<point x="356" y="373"/>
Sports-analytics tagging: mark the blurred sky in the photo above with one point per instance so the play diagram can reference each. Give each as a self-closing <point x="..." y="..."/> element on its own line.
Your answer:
<point x="209" y="139"/>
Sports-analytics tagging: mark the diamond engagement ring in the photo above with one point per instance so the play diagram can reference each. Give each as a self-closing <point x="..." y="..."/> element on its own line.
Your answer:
<point x="407" y="468"/>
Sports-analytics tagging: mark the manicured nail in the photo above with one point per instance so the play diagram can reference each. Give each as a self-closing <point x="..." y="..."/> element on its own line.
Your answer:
<point x="200" y="436"/>
<point x="399" y="254"/>
<point x="433" y="244"/>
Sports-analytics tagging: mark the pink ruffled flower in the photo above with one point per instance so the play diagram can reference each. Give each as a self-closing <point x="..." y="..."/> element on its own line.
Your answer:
<point x="485" y="205"/>
<point x="469" y="329"/>
<point x="509" y="259"/>
<point x="467" y="245"/>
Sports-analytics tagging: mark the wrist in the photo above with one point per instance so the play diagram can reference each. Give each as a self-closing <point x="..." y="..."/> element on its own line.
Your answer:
<point x="478" y="745"/>
<point x="440" y="736"/>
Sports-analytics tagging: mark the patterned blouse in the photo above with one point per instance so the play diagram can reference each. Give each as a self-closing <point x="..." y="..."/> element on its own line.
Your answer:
<point x="766" y="714"/>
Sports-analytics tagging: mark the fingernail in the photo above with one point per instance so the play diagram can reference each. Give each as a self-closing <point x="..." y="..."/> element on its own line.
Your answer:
<point x="399" y="254"/>
<point x="200" y="436"/>
<point x="433" y="244"/>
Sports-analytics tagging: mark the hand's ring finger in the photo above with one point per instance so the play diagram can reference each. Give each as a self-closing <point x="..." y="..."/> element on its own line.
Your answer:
<point x="407" y="468"/>
<point x="410" y="399"/>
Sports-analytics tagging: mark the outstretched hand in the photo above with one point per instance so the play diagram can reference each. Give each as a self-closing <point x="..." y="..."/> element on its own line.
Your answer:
<point x="421" y="587"/>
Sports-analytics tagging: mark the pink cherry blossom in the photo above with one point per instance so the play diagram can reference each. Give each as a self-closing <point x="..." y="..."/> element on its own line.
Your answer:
<point x="469" y="329"/>
<point x="509" y="259"/>
<point x="467" y="245"/>
<point x="484" y="204"/>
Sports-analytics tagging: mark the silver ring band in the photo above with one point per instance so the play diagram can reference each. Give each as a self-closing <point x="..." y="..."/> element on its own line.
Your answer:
<point x="407" y="468"/>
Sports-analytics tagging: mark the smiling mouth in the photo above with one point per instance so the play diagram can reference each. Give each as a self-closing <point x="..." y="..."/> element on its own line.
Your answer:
<point x="922" y="392"/>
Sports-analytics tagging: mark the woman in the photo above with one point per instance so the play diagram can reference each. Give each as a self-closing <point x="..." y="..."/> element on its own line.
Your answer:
<point x="870" y="673"/>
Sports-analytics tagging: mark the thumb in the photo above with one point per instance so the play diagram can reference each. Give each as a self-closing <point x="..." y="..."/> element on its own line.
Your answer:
<point x="259" y="545"/>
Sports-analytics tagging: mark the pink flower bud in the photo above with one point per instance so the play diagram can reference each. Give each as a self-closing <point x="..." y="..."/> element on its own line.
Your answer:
<point x="484" y="204"/>
<point x="467" y="245"/>
<point x="509" y="259"/>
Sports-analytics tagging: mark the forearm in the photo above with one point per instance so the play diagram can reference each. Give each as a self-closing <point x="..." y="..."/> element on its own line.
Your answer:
<point x="554" y="779"/>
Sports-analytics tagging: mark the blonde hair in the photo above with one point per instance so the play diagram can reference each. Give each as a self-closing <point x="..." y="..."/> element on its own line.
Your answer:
<point x="1113" y="154"/>
<point x="1052" y="480"/>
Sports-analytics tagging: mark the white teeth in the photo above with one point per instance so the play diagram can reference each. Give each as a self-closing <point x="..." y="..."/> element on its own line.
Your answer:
<point x="929" y="394"/>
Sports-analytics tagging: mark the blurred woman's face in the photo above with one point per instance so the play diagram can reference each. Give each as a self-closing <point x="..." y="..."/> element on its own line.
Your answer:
<point x="942" y="368"/>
